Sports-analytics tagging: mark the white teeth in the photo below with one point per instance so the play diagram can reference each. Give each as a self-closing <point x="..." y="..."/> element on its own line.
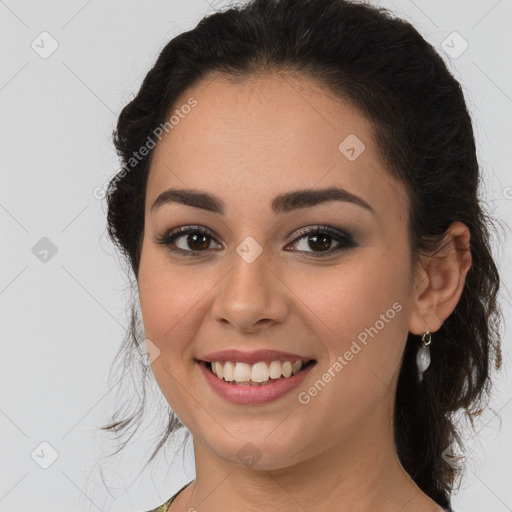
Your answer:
<point x="296" y="366"/>
<point x="242" y="372"/>
<point x="228" y="370"/>
<point x="287" y="369"/>
<point x="275" y="370"/>
<point x="257" y="373"/>
<point x="218" y="369"/>
<point x="260" y="372"/>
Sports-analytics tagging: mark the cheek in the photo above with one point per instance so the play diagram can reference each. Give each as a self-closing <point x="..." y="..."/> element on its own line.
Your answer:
<point x="350" y="296"/>
<point x="171" y="300"/>
<point x="360" y="313"/>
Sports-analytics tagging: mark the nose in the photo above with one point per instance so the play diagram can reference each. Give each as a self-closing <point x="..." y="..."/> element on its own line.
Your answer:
<point x="251" y="297"/>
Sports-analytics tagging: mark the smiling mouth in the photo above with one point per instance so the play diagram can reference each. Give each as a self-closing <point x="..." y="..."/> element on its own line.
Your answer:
<point x="259" y="374"/>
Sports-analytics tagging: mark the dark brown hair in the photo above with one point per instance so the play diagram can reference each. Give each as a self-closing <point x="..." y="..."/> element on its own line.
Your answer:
<point x="383" y="67"/>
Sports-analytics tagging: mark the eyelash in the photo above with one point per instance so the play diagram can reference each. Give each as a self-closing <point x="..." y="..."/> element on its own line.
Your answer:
<point x="346" y="240"/>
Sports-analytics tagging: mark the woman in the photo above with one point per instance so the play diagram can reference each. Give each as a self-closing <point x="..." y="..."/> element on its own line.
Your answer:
<point x="299" y="206"/>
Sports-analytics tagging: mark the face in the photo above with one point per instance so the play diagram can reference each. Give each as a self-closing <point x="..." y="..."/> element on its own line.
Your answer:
<point x="326" y="279"/>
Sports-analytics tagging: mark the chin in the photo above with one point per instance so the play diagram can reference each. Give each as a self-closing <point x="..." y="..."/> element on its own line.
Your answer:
<point x="260" y="453"/>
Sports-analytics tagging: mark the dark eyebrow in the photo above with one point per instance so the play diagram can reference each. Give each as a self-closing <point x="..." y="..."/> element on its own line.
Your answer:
<point x="283" y="203"/>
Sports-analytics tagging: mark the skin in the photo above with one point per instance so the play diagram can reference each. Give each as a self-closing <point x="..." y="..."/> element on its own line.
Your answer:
<point x="246" y="142"/>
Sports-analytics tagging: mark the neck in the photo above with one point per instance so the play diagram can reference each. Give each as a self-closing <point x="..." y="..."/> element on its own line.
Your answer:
<point x="362" y="472"/>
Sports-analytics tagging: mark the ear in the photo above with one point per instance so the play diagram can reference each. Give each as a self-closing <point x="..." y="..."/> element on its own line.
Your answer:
<point x="440" y="280"/>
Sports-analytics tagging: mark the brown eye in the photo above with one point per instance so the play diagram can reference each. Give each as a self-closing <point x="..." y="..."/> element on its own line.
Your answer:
<point x="197" y="241"/>
<point x="319" y="240"/>
<point x="193" y="240"/>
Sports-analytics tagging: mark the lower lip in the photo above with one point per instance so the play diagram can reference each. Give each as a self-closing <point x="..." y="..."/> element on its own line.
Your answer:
<point x="240" y="394"/>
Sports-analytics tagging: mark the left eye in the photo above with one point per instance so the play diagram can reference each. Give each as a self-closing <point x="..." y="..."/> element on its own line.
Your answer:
<point x="320" y="240"/>
<point x="199" y="240"/>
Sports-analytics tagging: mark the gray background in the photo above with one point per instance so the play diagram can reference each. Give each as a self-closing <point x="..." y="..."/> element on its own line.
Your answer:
<point x="62" y="319"/>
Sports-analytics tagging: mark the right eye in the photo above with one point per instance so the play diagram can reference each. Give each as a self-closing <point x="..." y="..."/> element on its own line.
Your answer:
<point x="197" y="236"/>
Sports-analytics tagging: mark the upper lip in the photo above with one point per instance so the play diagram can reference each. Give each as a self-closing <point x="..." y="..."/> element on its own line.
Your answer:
<point x="253" y="357"/>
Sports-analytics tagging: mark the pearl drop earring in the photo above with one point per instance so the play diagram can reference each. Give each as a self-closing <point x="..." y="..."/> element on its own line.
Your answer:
<point x="423" y="354"/>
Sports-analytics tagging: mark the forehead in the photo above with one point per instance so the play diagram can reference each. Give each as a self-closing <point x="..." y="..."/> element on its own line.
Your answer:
<point x="247" y="140"/>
